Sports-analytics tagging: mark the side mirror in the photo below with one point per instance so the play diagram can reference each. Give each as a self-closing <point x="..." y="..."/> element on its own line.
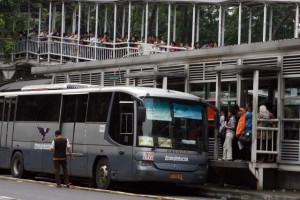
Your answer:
<point x="141" y="114"/>
<point x="217" y="121"/>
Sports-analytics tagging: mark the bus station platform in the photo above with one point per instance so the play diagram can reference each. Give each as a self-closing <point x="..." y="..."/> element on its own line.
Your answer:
<point x="243" y="171"/>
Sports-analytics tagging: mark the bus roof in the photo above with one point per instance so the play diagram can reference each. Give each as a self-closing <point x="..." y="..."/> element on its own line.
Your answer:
<point x="135" y="91"/>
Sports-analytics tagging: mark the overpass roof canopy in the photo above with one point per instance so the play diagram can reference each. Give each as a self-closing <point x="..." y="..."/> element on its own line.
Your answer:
<point x="231" y="2"/>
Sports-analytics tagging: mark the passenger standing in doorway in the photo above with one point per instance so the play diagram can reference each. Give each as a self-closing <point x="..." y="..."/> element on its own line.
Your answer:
<point x="235" y="147"/>
<point x="240" y="129"/>
<point x="59" y="146"/>
<point x="230" y="127"/>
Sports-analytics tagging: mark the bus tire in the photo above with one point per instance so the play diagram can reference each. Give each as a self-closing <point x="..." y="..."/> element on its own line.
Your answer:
<point x="103" y="174"/>
<point x="17" y="166"/>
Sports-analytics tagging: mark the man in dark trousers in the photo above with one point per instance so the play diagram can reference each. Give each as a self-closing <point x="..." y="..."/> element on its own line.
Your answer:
<point x="59" y="146"/>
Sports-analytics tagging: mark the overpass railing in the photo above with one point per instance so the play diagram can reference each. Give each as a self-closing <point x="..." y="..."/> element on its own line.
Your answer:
<point x="72" y="50"/>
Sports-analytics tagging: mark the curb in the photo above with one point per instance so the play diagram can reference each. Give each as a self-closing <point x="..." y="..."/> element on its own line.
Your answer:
<point x="91" y="189"/>
<point x="233" y="194"/>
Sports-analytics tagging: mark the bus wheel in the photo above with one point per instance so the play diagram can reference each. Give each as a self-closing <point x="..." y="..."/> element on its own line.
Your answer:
<point x="17" y="166"/>
<point x="103" y="180"/>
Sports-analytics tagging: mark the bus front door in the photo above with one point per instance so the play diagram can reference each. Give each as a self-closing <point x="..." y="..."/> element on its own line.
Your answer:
<point x="8" y="122"/>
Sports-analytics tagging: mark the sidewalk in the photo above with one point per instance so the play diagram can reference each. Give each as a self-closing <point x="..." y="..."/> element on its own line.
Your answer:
<point x="228" y="192"/>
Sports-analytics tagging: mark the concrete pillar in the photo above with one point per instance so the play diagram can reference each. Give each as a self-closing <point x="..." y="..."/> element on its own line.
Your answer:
<point x="123" y="22"/>
<point x="157" y="18"/>
<point x="88" y="19"/>
<point x="223" y="27"/>
<point x="105" y="19"/>
<point x="260" y="181"/>
<point x="74" y="20"/>
<point x="198" y="25"/>
<point x="186" y="80"/>
<point x="142" y="24"/>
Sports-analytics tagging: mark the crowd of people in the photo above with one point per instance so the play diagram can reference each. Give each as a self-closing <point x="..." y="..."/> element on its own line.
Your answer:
<point x="235" y="133"/>
<point x="89" y="38"/>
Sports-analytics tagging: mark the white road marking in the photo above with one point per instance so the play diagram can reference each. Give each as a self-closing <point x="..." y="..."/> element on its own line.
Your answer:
<point x="6" y="198"/>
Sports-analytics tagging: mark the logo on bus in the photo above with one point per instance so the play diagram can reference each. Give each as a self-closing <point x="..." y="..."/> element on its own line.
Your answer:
<point x="43" y="132"/>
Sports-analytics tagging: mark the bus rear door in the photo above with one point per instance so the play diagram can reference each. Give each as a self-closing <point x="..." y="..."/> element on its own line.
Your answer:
<point x="8" y="122"/>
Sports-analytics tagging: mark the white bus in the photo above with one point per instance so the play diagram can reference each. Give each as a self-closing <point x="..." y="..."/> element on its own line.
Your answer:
<point x="116" y="133"/>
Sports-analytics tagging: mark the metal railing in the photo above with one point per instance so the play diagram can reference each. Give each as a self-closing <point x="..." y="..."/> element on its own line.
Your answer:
<point x="267" y="136"/>
<point x="72" y="50"/>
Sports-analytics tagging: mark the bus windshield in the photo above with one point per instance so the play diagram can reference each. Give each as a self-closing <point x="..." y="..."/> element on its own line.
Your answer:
<point x="173" y="124"/>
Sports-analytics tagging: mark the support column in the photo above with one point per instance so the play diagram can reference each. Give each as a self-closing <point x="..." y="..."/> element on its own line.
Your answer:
<point x="62" y="30"/>
<point x="54" y="17"/>
<point x="260" y="181"/>
<point x="240" y="24"/>
<point x="239" y="90"/>
<point x="218" y="103"/>
<point x="280" y="108"/>
<point x="165" y="83"/>
<point x="169" y="25"/>
<point x="115" y="29"/>
<point x="296" y="35"/>
<point x="193" y="26"/>
<point x="198" y="25"/>
<point x="250" y="26"/>
<point x="223" y="27"/>
<point x="271" y="24"/>
<point x="105" y="19"/>
<point x="254" y="112"/>
<point x="78" y="31"/>
<point x="265" y="23"/>
<point x="174" y="24"/>
<point x="220" y="25"/>
<point x="88" y="19"/>
<point x="143" y="22"/>
<point x="74" y="21"/>
<point x="186" y="80"/>
<point x="146" y="24"/>
<point x="157" y="17"/>
<point x="123" y="22"/>
<point x="96" y="30"/>
<point x="39" y="32"/>
<point x="129" y="28"/>
<point x="49" y="29"/>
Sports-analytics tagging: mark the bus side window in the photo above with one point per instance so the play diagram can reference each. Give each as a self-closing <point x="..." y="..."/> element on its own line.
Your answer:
<point x="98" y="107"/>
<point x="27" y="108"/>
<point x="121" y="121"/>
<point x="48" y="108"/>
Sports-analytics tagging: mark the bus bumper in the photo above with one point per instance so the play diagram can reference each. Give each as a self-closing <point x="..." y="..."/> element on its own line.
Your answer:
<point x="151" y="173"/>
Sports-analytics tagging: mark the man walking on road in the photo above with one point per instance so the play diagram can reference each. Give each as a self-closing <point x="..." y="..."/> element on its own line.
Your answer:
<point x="59" y="146"/>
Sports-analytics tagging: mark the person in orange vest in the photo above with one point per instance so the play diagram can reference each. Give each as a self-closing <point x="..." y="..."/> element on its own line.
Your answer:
<point x="240" y="129"/>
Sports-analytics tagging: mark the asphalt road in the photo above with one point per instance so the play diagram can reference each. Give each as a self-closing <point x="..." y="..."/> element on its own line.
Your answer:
<point x="19" y="190"/>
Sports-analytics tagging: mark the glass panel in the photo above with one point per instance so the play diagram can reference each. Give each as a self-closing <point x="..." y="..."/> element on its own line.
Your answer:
<point x="198" y="90"/>
<point x="172" y="123"/>
<point x="292" y="87"/>
<point x="291" y="108"/>
<point x="1" y="107"/>
<point x="291" y="130"/>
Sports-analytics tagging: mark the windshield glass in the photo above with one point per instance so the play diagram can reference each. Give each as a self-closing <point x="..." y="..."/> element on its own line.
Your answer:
<point x="174" y="124"/>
